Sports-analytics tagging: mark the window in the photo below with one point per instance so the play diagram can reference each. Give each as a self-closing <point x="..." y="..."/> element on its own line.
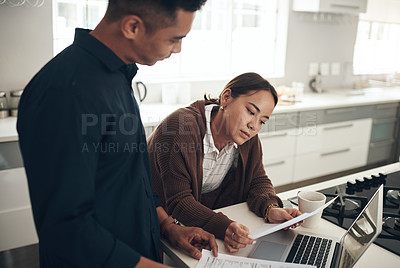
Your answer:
<point x="228" y="37"/>
<point x="377" y="48"/>
<point x="70" y="14"/>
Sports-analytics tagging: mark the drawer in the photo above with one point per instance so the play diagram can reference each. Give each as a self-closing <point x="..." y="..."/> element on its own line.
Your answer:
<point x="383" y="129"/>
<point x="316" y="164"/>
<point x="335" y="135"/>
<point x="381" y="151"/>
<point x="14" y="193"/>
<point x="10" y="155"/>
<point x="278" y="144"/>
<point x="17" y="229"/>
<point x="312" y="118"/>
<point x="280" y="170"/>
<point x="280" y="122"/>
<point x="388" y="110"/>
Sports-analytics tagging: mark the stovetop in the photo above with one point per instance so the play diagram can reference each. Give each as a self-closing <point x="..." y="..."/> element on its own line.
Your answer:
<point x="355" y="195"/>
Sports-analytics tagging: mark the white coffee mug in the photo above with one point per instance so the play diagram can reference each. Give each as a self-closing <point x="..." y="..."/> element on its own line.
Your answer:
<point x="308" y="202"/>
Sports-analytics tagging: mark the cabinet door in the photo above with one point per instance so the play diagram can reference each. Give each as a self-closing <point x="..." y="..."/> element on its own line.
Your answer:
<point x="334" y="136"/>
<point x="381" y="151"/>
<point x="278" y="152"/>
<point x="319" y="117"/>
<point x="281" y="121"/>
<point x="17" y="228"/>
<point x="280" y="170"/>
<point x="10" y="155"/>
<point x="317" y="164"/>
<point x="388" y="110"/>
<point x="383" y="129"/>
<point x="278" y="144"/>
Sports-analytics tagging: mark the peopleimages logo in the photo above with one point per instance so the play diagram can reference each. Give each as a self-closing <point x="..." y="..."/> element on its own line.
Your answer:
<point x="110" y="124"/>
<point x="132" y="147"/>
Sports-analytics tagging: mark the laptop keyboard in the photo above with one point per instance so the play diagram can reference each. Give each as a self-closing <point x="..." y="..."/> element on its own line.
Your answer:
<point x="310" y="250"/>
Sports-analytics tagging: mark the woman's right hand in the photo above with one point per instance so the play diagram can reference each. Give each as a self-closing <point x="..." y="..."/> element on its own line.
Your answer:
<point x="237" y="236"/>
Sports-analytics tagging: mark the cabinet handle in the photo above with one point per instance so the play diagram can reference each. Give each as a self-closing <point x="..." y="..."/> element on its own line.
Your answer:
<point x="384" y="121"/>
<point x="275" y="164"/>
<point x="336" y="152"/>
<point x="345" y="6"/>
<point x="341" y="126"/>
<point x="266" y="135"/>
<point x="381" y="143"/>
<point x="339" y="111"/>
<point x="386" y="106"/>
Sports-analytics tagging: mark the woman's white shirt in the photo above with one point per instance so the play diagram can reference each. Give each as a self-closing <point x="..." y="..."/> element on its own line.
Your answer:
<point x="216" y="164"/>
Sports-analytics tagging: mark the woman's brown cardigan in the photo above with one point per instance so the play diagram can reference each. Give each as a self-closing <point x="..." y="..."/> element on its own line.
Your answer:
<point x="176" y="159"/>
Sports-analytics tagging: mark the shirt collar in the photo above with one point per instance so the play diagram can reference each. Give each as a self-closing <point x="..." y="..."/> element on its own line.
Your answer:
<point x="208" y="141"/>
<point x="85" y="40"/>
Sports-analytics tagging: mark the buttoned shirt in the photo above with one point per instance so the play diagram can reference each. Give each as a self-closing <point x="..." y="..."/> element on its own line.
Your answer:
<point x="216" y="163"/>
<point x="86" y="159"/>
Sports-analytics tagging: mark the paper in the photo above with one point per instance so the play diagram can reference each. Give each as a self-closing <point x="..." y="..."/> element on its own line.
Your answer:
<point x="270" y="228"/>
<point x="228" y="261"/>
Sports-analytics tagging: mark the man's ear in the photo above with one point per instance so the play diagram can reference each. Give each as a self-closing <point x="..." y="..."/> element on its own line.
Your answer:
<point x="131" y="26"/>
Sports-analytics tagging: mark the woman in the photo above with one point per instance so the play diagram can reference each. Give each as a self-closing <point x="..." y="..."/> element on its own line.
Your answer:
<point x="208" y="155"/>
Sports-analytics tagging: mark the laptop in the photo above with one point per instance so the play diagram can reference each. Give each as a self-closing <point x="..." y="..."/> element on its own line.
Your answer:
<point x="323" y="251"/>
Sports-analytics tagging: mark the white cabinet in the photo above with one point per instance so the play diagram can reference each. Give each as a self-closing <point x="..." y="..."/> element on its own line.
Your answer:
<point x="278" y="155"/>
<point x="317" y="149"/>
<point x="329" y="148"/>
<point x="333" y="136"/>
<point x="17" y="228"/>
<point x="383" y="11"/>
<point x="331" y="6"/>
<point x="317" y="164"/>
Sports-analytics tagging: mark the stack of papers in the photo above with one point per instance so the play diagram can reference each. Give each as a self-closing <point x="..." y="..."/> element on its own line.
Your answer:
<point x="224" y="261"/>
<point x="269" y="228"/>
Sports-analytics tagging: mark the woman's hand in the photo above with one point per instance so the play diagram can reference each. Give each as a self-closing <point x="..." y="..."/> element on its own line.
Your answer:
<point x="237" y="236"/>
<point x="278" y="215"/>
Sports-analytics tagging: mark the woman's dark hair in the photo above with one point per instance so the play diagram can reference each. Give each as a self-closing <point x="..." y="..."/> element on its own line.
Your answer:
<point x="243" y="84"/>
<point x="155" y="14"/>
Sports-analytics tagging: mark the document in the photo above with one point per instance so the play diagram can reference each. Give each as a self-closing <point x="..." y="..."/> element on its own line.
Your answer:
<point x="270" y="228"/>
<point x="228" y="261"/>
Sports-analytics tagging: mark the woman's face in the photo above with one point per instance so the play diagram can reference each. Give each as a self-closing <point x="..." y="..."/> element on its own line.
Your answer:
<point x="244" y="115"/>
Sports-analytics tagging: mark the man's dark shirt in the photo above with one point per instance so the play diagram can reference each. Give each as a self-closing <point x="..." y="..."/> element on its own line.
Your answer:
<point x="86" y="160"/>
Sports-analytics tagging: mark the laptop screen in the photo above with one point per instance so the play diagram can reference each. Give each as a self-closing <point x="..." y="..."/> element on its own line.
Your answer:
<point x="363" y="231"/>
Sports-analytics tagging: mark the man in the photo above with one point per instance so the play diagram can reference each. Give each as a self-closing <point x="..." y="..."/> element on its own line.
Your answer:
<point x="84" y="147"/>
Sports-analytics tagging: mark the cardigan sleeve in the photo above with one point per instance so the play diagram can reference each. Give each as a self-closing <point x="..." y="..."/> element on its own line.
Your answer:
<point x="261" y="192"/>
<point x="176" y="157"/>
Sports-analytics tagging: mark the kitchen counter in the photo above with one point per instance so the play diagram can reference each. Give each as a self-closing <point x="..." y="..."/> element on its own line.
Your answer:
<point x="375" y="256"/>
<point x="152" y="114"/>
<point x="342" y="98"/>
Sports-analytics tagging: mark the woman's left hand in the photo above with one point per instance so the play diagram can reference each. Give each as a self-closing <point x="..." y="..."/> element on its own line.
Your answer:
<point x="278" y="215"/>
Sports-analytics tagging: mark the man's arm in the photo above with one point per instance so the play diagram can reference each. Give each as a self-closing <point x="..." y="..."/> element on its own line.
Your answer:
<point x="191" y="239"/>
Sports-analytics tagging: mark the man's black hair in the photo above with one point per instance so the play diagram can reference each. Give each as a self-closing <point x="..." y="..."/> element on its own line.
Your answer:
<point x="155" y="14"/>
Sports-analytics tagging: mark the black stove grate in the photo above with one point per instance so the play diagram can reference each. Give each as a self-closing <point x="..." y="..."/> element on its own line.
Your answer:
<point x="359" y="193"/>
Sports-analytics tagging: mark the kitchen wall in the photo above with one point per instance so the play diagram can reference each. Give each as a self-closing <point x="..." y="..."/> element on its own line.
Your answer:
<point x="26" y="45"/>
<point x="320" y="38"/>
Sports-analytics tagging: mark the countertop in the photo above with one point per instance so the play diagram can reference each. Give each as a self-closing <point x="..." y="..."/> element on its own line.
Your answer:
<point x="154" y="113"/>
<point x="375" y="256"/>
